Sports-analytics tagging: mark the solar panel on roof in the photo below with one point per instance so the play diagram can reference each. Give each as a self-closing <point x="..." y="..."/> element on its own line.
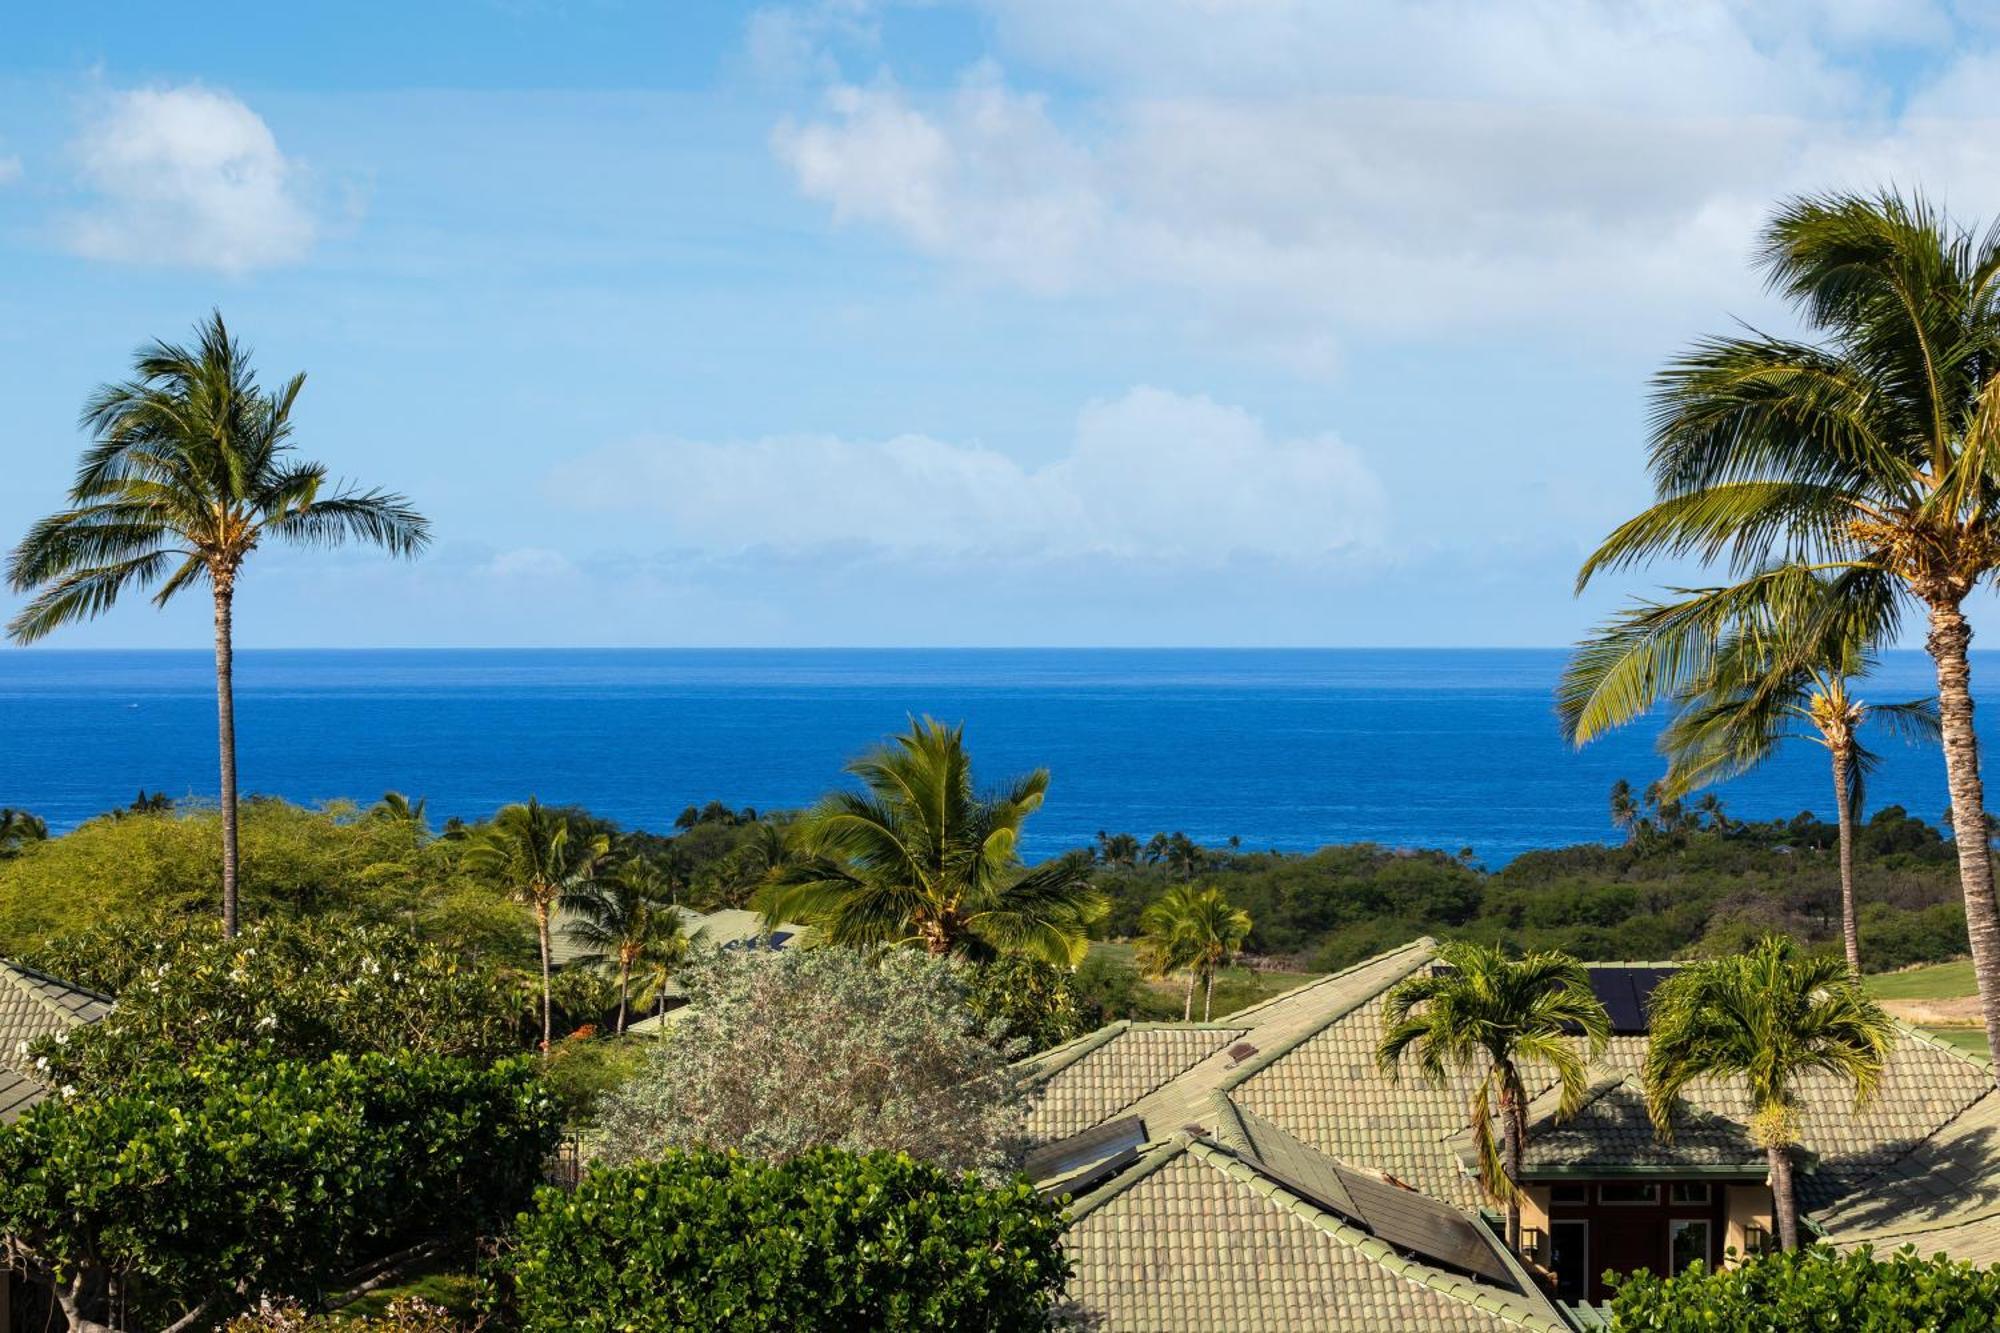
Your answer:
<point x="1082" y="1159"/>
<point x="1624" y="992"/>
<point x="1424" y="1226"/>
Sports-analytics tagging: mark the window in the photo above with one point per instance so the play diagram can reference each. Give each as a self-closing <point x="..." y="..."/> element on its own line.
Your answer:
<point x="1569" y="1194"/>
<point x="1687" y="1243"/>
<point x="1689" y="1191"/>
<point x="1625" y="1193"/>
<point x="1570" y="1241"/>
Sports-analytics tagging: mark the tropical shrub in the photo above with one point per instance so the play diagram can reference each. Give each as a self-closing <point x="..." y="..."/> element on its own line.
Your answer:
<point x="299" y="990"/>
<point x="1815" y="1288"/>
<point x="1030" y="1005"/>
<point x="205" y="1185"/>
<point x="827" y="1240"/>
<point x="779" y="1053"/>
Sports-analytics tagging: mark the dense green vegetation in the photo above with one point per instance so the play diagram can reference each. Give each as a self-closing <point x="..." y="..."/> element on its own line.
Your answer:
<point x="1815" y="1288"/>
<point x="199" y="1184"/>
<point x="827" y="1240"/>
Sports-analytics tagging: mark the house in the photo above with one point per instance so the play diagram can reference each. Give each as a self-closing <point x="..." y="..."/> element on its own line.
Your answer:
<point x="32" y="1005"/>
<point x="1260" y="1173"/>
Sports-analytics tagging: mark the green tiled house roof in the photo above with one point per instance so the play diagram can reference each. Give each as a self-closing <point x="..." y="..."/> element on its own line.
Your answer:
<point x="1295" y="1078"/>
<point x="1194" y="1237"/>
<point x="33" y="1005"/>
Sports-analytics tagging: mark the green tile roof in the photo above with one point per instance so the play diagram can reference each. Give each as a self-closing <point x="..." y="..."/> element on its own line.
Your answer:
<point x="1921" y="1161"/>
<point x="34" y="1005"/>
<point x="1195" y="1237"/>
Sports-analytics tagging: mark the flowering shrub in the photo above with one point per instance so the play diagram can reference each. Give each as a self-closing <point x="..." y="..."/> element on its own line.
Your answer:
<point x="404" y="1315"/>
<point x="827" y="1241"/>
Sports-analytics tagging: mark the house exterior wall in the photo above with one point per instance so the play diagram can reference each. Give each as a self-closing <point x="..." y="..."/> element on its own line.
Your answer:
<point x="1744" y="1206"/>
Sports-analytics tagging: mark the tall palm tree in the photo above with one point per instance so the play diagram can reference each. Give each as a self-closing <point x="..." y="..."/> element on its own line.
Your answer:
<point x="1745" y="668"/>
<point x="1625" y="810"/>
<point x="662" y="957"/>
<point x="1873" y="452"/>
<point x="1483" y="1013"/>
<point x="1192" y="930"/>
<point x="189" y="470"/>
<point x="922" y="857"/>
<point x="1118" y="850"/>
<point x="621" y="919"/>
<point x="533" y="851"/>
<point x="398" y="808"/>
<point x="1767" y="1017"/>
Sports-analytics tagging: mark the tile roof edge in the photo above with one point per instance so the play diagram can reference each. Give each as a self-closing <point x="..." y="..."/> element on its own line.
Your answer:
<point x="1461" y="1289"/>
<point x="1420" y="942"/>
<point x="1044" y="1065"/>
<point x="14" y="972"/>
<point x="1265" y="1059"/>
<point x="1972" y="1058"/>
<point x="1831" y="1213"/>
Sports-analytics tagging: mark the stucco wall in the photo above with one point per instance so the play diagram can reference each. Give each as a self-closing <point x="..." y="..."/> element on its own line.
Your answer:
<point x="1744" y="1206"/>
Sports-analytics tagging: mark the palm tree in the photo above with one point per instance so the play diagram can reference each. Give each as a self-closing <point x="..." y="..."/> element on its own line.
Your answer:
<point x="1873" y="452"/>
<point x="1184" y="856"/>
<point x="1479" y="1007"/>
<point x="921" y="857"/>
<point x="662" y="957"/>
<point x="532" y="851"/>
<point x="1745" y="668"/>
<point x="1767" y="1017"/>
<point x="188" y="472"/>
<point x="621" y="920"/>
<point x="1192" y="930"/>
<point x="1625" y="809"/>
<point x="1117" y="849"/>
<point x="400" y="809"/>
<point x="18" y="828"/>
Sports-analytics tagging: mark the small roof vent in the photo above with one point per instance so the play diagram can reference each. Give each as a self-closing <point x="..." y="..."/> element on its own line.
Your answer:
<point x="1240" y="1052"/>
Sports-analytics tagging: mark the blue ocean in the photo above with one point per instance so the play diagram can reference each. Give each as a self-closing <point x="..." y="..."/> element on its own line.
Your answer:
<point x="1288" y="749"/>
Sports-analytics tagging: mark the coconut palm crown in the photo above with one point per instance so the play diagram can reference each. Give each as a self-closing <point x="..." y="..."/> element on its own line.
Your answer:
<point x="1742" y="669"/>
<point x="533" y="851"/>
<point x="191" y="468"/>
<point x="1195" y="931"/>
<point x="921" y="857"/>
<point x="1768" y="1018"/>
<point x="1480" y="1012"/>
<point x="1871" y="451"/>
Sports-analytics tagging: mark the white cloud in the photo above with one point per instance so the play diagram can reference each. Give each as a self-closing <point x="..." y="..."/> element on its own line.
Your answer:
<point x="532" y="563"/>
<point x="1152" y="476"/>
<point x="188" y="176"/>
<point x="1295" y="173"/>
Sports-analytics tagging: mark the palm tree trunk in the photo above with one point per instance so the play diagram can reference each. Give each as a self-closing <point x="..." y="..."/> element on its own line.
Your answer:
<point x="225" y="719"/>
<point x="1850" y="934"/>
<point x="1187" y="1009"/>
<point x="1784" y="1204"/>
<point x="542" y="938"/>
<point x="624" y="983"/>
<point x="1208" y="999"/>
<point x="1510" y="1154"/>
<point x="1948" y="641"/>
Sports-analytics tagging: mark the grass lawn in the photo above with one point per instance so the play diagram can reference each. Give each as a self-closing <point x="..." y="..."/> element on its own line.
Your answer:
<point x="456" y="1291"/>
<point x="1939" y="981"/>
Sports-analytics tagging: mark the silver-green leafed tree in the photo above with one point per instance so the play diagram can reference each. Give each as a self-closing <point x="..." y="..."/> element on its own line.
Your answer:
<point x="1870" y="448"/>
<point x="1742" y="669"/>
<point x="1481" y="1013"/>
<point x="921" y="856"/>
<point x="190" y="468"/>
<point x="1767" y="1018"/>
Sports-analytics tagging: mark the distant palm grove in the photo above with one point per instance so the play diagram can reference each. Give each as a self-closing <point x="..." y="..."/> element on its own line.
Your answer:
<point x="748" y="1066"/>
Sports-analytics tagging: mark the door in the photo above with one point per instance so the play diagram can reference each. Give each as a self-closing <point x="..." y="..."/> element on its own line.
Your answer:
<point x="1569" y="1256"/>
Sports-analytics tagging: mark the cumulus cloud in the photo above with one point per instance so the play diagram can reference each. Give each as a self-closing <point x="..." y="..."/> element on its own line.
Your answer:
<point x="187" y="176"/>
<point x="1298" y="172"/>
<point x="1152" y="476"/>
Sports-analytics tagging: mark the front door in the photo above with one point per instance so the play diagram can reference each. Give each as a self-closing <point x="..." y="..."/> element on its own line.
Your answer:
<point x="1569" y="1256"/>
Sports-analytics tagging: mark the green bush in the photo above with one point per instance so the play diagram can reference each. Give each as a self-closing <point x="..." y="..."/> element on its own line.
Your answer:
<point x="826" y="1241"/>
<point x="1816" y="1288"/>
<point x="208" y="1184"/>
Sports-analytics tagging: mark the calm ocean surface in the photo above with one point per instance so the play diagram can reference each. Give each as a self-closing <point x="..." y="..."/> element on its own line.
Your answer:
<point x="1282" y="748"/>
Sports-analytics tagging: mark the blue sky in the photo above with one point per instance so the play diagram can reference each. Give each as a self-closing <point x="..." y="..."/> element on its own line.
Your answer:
<point x="999" y="322"/>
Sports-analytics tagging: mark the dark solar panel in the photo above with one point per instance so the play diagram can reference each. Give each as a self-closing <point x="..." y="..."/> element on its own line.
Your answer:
<point x="1624" y="992"/>
<point x="1425" y="1227"/>
<point x="1082" y="1159"/>
<point x="778" y="938"/>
